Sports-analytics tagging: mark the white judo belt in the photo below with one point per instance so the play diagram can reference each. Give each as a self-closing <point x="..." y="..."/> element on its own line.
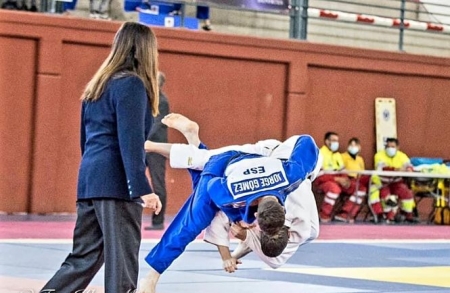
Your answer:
<point x="254" y="175"/>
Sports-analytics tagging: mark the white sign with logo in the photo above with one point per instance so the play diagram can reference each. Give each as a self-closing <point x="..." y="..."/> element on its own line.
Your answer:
<point x="385" y="120"/>
<point x="169" y="21"/>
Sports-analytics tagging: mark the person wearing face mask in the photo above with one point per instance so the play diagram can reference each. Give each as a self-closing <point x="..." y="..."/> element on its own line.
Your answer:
<point x="353" y="162"/>
<point x="332" y="185"/>
<point x="384" y="201"/>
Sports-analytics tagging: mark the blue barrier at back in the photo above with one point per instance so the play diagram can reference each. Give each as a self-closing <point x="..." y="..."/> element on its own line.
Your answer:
<point x="167" y="20"/>
<point x="131" y="5"/>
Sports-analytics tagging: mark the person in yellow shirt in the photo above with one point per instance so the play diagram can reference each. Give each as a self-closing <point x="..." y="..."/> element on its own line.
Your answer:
<point x="353" y="162"/>
<point x="332" y="185"/>
<point x="384" y="202"/>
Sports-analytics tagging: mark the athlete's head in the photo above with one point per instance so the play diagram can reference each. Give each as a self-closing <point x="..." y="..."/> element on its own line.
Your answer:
<point x="273" y="245"/>
<point x="270" y="215"/>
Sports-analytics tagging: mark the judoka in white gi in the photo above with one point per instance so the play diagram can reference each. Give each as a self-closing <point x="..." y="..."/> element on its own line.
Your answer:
<point x="231" y="182"/>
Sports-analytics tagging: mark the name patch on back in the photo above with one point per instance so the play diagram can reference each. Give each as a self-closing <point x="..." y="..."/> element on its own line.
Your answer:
<point x="255" y="175"/>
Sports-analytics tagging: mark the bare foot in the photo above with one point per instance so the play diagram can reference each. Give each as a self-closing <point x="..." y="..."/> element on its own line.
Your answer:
<point x="180" y="123"/>
<point x="184" y="125"/>
<point x="148" y="284"/>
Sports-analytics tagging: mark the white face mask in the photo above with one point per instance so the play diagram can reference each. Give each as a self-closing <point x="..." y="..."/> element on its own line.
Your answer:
<point x="391" y="151"/>
<point x="334" y="146"/>
<point x="353" y="150"/>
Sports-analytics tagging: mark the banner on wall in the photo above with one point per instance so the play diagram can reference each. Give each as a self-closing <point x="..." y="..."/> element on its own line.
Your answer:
<point x="260" y="5"/>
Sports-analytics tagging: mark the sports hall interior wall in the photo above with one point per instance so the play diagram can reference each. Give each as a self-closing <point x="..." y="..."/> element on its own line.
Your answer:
<point x="239" y="89"/>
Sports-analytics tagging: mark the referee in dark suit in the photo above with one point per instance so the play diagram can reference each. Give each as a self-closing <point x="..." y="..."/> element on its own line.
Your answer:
<point x="116" y="117"/>
<point x="156" y="162"/>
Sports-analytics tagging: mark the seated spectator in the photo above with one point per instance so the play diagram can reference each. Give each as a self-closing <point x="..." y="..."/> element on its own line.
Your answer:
<point x="33" y="6"/>
<point x="10" y="5"/>
<point x="332" y="185"/>
<point x="19" y="5"/>
<point x="384" y="202"/>
<point x="353" y="162"/>
<point x="202" y="15"/>
<point x="99" y="9"/>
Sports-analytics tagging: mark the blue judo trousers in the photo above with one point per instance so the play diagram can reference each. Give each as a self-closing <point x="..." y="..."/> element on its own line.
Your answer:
<point x="214" y="189"/>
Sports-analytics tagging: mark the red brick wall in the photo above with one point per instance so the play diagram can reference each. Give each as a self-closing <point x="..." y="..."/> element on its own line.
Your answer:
<point x="239" y="89"/>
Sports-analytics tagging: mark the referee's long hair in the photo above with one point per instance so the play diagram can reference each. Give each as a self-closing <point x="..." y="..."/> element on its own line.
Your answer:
<point x="134" y="52"/>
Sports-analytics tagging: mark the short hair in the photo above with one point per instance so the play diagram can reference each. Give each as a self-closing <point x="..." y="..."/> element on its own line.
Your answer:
<point x="273" y="245"/>
<point x="391" y="139"/>
<point x="354" y="139"/>
<point x="271" y="216"/>
<point x="329" y="134"/>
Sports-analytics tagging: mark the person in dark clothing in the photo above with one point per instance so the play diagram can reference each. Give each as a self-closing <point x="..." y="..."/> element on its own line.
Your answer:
<point x="157" y="162"/>
<point x="202" y="14"/>
<point x="116" y="117"/>
<point x="10" y="5"/>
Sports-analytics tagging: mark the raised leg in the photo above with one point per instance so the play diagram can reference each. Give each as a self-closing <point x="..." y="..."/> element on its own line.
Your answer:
<point x="184" y="125"/>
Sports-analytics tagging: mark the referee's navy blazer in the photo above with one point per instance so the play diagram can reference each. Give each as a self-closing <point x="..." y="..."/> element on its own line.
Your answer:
<point x="113" y="132"/>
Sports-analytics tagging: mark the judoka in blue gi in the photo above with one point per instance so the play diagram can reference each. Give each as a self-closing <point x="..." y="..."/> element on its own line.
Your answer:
<point x="244" y="186"/>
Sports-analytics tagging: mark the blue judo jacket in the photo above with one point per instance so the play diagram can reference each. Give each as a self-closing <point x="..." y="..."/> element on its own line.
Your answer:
<point x="242" y="178"/>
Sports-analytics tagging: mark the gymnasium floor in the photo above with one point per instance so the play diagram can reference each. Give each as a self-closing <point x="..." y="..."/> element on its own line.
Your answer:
<point x="345" y="259"/>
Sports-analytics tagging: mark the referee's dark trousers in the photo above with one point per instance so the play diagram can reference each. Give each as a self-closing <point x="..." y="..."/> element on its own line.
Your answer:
<point x="101" y="233"/>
